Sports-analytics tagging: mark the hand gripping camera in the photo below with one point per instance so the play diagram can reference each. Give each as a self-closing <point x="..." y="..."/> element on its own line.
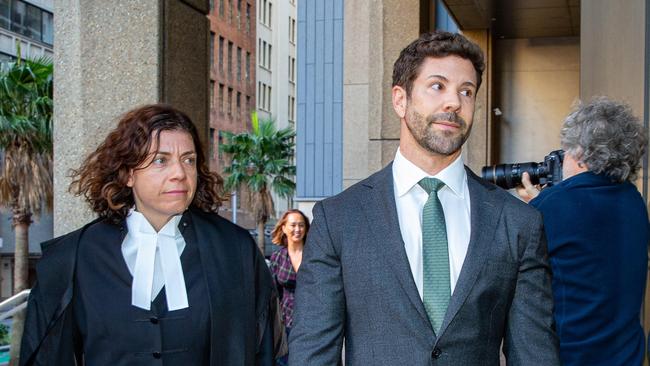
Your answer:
<point x="507" y="176"/>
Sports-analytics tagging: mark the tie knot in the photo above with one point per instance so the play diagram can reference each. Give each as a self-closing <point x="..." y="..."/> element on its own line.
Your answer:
<point x="431" y="184"/>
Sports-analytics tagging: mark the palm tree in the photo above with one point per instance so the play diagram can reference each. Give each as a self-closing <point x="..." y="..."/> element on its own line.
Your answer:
<point x="261" y="160"/>
<point x="26" y="158"/>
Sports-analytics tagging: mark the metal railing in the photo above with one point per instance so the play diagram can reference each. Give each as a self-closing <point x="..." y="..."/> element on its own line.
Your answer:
<point x="14" y="304"/>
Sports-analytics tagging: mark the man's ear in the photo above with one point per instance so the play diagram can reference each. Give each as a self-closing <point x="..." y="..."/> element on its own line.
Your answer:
<point x="399" y="101"/>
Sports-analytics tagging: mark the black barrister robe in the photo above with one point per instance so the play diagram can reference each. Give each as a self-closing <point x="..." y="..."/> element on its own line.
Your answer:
<point x="241" y="295"/>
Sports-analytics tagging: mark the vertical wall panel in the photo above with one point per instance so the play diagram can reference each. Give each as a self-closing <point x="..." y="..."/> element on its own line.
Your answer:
<point x="320" y="93"/>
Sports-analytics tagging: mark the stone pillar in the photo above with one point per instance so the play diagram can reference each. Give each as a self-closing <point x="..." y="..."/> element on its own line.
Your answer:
<point x="375" y="33"/>
<point x="112" y="56"/>
<point x="478" y="149"/>
<point x="614" y="61"/>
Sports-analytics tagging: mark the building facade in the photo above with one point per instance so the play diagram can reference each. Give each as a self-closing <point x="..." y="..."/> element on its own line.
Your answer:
<point x="276" y="68"/>
<point x="232" y="83"/>
<point x="232" y="71"/>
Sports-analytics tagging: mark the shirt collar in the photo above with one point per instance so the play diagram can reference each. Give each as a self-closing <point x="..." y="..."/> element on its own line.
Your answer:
<point x="137" y="223"/>
<point x="406" y="175"/>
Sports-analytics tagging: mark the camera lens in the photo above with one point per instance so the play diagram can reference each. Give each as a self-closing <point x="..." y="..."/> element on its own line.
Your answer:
<point x="509" y="175"/>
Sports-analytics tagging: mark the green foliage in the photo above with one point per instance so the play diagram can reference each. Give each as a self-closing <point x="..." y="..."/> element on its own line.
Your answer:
<point x="4" y="335"/>
<point x="261" y="160"/>
<point x="26" y="107"/>
<point x="26" y="104"/>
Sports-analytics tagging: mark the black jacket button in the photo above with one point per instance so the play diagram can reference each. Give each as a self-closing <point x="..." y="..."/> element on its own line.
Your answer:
<point x="436" y="353"/>
<point x="153" y="320"/>
<point x="156" y="354"/>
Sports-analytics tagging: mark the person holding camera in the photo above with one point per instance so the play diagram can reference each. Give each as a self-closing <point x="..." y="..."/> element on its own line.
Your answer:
<point x="597" y="228"/>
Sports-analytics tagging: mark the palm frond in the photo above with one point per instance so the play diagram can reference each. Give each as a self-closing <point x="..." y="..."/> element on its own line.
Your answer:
<point x="261" y="160"/>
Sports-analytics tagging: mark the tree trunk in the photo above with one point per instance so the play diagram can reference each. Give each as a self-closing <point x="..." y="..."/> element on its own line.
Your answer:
<point x="260" y="235"/>
<point x="21" y="221"/>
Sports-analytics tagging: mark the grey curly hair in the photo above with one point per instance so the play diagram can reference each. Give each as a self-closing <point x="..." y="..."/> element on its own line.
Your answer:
<point x="607" y="137"/>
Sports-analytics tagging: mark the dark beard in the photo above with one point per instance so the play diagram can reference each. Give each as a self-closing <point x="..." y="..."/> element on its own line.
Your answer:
<point x="437" y="142"/>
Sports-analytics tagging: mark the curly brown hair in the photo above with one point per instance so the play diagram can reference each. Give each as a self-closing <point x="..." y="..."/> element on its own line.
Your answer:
<point x="103" y="176"/>
<point x="435" y="44"/>
<point x="277" y="236"/>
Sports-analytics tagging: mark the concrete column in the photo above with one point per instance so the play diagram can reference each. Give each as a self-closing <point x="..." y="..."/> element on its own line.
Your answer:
<point x="614" y="62"/>
<point x="375" y="33"/>
<point x="112" y="56"/>
<point x="477" y="151"/>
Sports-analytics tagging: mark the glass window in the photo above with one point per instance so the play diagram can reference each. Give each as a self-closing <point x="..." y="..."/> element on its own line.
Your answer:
<point x="230" y="45"/>
<point x="220" y="103"/>
<point x="264" y="12"/>
<point x="221" y="42"/>
<point x="248" y="66"/>
<point x="238" y="103"/>
<point x="211" y="51"/>
<point x="264" y="53"/>
<point x="211" y="94"/>
<point x="238" y="63"/>
<point x="269" y="58"/>
<point x="48" y="28"/>
<point x="18" y="17"/>
<point x="248" y="18"/>
<point x="212" y="146"/>
<point x="221" y="7"/>
<point x="238" y="14"/>
<point x="5" y="15"/>
<point x="230" y="11"/>
<point x="34" y="22"/>
<point x="229" y="101"/>
<point x="270" y="13"/>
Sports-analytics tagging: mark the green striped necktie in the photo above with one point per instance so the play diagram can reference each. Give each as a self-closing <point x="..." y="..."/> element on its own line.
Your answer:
<point x="435" y="255"/>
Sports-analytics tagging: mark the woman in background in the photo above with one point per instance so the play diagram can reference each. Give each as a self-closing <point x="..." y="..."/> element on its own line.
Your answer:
<point x="289" y="233"/>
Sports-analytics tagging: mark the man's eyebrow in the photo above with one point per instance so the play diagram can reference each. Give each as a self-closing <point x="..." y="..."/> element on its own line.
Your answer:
<point x="435" y="76"/>
<point x="468" y="83"/>
<point x="443" y="78"/>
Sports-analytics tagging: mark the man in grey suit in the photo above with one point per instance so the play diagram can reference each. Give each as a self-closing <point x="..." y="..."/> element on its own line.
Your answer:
<point x="423" y="263"/>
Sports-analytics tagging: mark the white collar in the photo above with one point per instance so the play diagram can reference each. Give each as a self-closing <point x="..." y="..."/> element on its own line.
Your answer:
<point x="153" y="259"/>
<point x="406" y="175"/>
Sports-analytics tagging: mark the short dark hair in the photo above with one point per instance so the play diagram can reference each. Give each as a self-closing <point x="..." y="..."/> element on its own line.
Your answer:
<point x="103" y="176"/>
<point x="435" y="44"/>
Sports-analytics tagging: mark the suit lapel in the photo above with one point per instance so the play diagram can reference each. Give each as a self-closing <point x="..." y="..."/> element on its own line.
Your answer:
<point x="381" y="211"/>
<point x="485" y="212"/>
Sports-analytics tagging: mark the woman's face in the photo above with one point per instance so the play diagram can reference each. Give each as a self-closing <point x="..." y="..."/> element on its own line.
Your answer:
<point x="294" y="228"/>
<point x="164" y="185"/>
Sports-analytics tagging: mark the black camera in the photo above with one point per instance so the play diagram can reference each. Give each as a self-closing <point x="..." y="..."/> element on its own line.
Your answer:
<point x="507" y="176"/>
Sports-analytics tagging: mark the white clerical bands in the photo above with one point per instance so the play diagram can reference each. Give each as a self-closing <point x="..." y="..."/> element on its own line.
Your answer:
<point x="154" y="261"/>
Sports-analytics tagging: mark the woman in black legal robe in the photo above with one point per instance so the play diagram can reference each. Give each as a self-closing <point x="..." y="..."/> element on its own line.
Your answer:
<point x="158" y="277"/>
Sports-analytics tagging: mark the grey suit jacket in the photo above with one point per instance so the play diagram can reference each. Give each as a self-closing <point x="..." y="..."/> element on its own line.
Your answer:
<point x="355" y="283"/>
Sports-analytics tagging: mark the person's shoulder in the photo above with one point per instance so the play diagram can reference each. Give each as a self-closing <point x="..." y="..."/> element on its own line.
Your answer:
<point x="220" y="223"/>
<point x="278" y="254"/>
<point x="71" y="238"/>
<point x="510" y="207"/>
<point x="559" y="193"/>
<point x="350" y="197"/>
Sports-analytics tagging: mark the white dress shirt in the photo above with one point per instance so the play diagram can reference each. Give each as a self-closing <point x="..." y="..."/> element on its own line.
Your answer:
<point x="410" y="199"/>
<point x="153" y="259"/>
